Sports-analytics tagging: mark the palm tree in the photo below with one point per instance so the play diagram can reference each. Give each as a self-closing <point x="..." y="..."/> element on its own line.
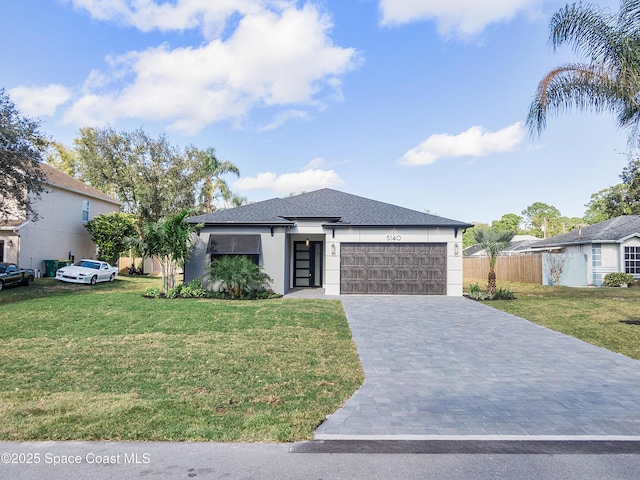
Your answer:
<point x="493" y="242"/>
<point x="238" y="275"/>
<point x="608" y="80"/>
<point x="170" y="239"/>
<point x="212" y="170"/>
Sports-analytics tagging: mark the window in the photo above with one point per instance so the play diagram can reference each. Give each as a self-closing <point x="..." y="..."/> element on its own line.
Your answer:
<point x="85" y="210"/>
<point x="248" y="245"/>
<point x="596" y="261"/>
<point x="632" y="260"/>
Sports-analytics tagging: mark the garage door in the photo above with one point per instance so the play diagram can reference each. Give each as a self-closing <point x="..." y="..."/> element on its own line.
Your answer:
<point x="393" y="268"/>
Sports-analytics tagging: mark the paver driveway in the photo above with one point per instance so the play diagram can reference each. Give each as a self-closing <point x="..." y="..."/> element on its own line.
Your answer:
<point x="452" y="366"/>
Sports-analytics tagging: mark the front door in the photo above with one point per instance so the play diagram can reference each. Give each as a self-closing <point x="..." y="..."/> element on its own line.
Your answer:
<point x="307" y="259"/>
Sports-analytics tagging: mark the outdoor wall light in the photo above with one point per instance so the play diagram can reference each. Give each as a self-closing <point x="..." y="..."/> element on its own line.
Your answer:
<point x="307" y="242"/>
<point x="333" y="249"/>
<point x="456" y="249"/>
<point x="11" y="243"/>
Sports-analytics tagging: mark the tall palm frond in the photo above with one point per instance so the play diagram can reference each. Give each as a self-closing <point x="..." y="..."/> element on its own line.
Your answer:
<point x="608" y="79"/>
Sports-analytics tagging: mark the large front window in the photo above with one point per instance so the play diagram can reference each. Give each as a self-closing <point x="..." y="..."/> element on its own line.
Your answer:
<point x="632" y="260"/>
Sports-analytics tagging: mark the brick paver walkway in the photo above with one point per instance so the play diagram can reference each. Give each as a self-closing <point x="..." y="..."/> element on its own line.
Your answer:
<point x="438" y="366"/>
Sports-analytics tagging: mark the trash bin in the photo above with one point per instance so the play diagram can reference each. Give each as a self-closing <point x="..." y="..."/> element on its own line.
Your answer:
<point x="63" y="263"/>
<point x="50" y="267"/>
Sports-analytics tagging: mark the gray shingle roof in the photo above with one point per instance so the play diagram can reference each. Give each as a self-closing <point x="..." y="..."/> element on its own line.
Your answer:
<point x="611" y="230"/>
<point x="328" y="206"/>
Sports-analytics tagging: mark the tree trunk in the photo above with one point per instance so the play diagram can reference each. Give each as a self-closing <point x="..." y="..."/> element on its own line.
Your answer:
<point x="491" y="287"/>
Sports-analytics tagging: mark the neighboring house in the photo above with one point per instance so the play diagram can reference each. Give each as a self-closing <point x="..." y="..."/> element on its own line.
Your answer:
<point x="595" y="250"/>
<point x="519" y="244"/>
<point x="64" y="208"/>
<point x="340" y="242"/>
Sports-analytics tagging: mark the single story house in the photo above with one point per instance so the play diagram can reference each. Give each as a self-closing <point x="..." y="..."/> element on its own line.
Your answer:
<point x="598" y="249"/>
<point x="519" y="245"/>
<point x="343" y="243"/>
<point x="59" y="234"/>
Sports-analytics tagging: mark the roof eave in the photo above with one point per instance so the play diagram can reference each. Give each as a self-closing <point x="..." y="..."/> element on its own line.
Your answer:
<point x="397" y="225"/>
<point x="104" y="198"/>
<point x="240" y="224"/>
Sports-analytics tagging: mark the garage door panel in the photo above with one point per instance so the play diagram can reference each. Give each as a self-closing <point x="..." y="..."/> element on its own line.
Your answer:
<point x="398" y="268"/>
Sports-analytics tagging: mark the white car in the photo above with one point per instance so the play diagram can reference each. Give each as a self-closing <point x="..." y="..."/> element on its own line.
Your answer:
<point x="87" y="271"/>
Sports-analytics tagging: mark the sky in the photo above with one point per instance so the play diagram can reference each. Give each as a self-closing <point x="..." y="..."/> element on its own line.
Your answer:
<point x="418" y="103"/>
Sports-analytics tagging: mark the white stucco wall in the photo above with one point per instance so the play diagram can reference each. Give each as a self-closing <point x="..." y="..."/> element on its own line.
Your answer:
<point x="272" y="258"/>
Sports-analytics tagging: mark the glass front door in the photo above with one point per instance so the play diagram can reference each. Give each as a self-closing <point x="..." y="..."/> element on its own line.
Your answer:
<point x="307" y="260"/>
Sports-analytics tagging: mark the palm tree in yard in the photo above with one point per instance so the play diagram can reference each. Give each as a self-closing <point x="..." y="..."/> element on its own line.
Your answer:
<point x="608" y="77"/>
<point x="492" y="242"/>
<point x="213" y="185"/>
<point x="170" y="239"/>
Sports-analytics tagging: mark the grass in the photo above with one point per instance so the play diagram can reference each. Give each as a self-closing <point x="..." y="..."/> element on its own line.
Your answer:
<point x="594" y="315"/>
<point x="104" y="363"/>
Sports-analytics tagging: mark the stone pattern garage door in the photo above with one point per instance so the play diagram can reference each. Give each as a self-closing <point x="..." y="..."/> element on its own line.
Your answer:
<point x="393" y="268"/>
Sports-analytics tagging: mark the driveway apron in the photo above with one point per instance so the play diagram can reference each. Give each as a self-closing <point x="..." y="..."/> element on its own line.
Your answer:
<point x="444" y="366"/>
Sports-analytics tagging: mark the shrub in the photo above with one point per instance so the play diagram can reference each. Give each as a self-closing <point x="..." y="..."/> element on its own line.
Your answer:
<point x="474" y="288"/>
<point x="504" y="294"/>
<point x="617" y="278"/>
<point x="193" y="289"/>
<point x="238" y="275"/>
<point x="152" y="292"/>
<point x="476" y="293"/>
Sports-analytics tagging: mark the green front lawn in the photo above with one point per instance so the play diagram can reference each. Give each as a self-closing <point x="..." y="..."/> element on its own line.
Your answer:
<point x="594" y="315"/>
<point x="89" y="363"/>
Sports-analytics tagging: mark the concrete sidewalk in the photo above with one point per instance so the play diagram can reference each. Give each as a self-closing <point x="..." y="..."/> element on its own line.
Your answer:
<point x="451" y="368"/>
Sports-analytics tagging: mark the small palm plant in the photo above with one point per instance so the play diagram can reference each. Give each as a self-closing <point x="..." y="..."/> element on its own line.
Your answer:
<point x="493" y="242"/>
<point x="238" y="275"/>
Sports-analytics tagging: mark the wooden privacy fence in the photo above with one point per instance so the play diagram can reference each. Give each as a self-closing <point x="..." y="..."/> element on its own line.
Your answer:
<point x="513" y="268"/>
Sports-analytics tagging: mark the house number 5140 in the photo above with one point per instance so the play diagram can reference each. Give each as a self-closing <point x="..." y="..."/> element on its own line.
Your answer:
<point x="393" y="238"/>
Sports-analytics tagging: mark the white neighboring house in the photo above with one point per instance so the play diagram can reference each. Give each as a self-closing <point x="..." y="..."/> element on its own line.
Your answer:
<point x="59" y="234"/>
<point x="342" y="243"/>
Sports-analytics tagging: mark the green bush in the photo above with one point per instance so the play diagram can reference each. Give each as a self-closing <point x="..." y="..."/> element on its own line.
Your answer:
<point x="617" y="278"/>
<point x="474" y="288"/>
<point x="238" y="276"/>
<point x="152" y="292"/>
<point x="476" y="293"/>
<point x="504" y="294"/>
<point x="192" y="289"/>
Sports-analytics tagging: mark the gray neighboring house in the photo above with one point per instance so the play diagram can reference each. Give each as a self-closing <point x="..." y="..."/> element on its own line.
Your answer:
<point x="343" y="243"/>
<point x="598" y="249"/>
<point x="520" y="244"/>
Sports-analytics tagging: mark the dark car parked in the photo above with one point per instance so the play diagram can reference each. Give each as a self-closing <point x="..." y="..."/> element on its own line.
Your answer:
<point x="10" y="275"/>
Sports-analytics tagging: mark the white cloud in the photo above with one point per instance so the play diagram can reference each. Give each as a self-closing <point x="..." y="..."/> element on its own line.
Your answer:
<point x="314" y="164"/>
<point x="461" y="17"/>
<point x="38" y="101"/>
<point x="475" y="142"/>
<point x="305" y="181"/>
<point x="272" y="58"/>
<point x="208" y="15"/>
<point x="283" y="117"/>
